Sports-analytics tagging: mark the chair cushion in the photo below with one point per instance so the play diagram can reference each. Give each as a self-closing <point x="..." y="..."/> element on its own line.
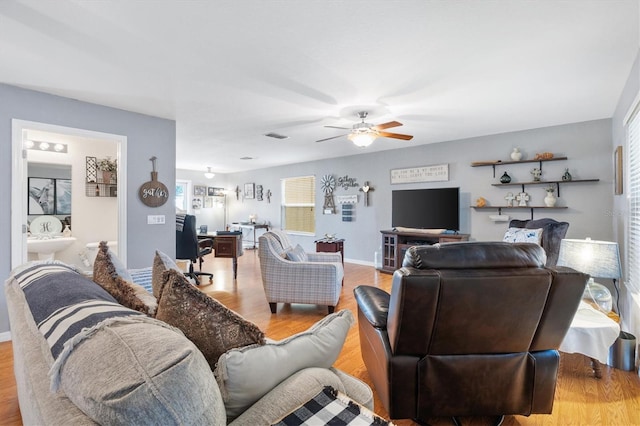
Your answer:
<point x="245" y="374"/>
<point x="523" y="235"/>
<point x="297" y="254"/>
<point x="109" y="272"/>
<point x="206" y="322"/>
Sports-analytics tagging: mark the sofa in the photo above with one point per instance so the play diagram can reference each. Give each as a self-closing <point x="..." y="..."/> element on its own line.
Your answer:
<point x="469" y="329"/>
<point x="129" y="368"/>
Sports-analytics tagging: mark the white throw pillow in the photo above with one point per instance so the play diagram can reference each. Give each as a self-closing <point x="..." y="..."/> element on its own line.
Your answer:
<point x="523" y="235"/>
<point x="246" y="374"/>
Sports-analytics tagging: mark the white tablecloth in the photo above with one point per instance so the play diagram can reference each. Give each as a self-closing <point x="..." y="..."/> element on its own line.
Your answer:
<point x="591" y="333"/>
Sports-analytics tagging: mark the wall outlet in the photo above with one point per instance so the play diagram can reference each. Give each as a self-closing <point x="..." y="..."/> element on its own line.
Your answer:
<point x="155" y="219"/>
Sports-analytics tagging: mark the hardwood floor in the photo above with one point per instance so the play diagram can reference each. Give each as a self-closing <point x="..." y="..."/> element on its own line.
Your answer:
<point x="580" y="398"/>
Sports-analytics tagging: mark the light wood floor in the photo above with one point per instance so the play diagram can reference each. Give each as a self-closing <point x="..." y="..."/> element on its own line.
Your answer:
<point x="580" y="398"/>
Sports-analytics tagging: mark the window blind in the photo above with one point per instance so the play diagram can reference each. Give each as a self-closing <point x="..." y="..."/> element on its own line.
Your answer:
<point x="298" y="204"/>
<point x="633" y="185"/>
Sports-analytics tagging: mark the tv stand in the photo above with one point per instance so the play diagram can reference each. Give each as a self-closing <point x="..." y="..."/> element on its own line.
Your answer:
<point x="396" y="243"/>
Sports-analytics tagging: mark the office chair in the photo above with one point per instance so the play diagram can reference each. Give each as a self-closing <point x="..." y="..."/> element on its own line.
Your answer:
<point x="189" y="247"/>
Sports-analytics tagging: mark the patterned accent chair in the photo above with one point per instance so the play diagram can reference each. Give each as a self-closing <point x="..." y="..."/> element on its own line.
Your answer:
<point x="315" y="279"/>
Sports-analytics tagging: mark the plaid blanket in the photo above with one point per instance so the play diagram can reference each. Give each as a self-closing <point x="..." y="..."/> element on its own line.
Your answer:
<point x="331" y="407"/>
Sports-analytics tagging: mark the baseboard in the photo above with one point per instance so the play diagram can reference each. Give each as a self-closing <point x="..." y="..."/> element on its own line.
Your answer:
<point x="359" y="262"/>
<point x="5" y="337"/>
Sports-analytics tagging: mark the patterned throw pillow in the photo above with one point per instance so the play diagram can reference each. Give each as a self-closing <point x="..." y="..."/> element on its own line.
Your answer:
<point x="110" y="274"/>
<point x="210" y="325"/>
<point x="523" y="235"/>
<point x="161" y="263"/>
<point x="297" y="254"/>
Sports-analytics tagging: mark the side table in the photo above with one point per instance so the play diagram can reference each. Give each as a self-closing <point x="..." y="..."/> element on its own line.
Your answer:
<point x="591" y="333"/>
<point x="330" y="246"/>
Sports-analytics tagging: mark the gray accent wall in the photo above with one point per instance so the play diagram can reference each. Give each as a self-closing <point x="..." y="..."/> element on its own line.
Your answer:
<point x="587" y="146"/>
<point x="146" y="136"/>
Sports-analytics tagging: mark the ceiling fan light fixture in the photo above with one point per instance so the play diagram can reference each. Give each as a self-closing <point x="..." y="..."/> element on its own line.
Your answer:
<point x="209" y="174"/>
<point x="362" y="139"/>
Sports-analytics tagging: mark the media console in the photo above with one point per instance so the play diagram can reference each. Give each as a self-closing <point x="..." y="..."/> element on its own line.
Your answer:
<point x="396" y="243"/>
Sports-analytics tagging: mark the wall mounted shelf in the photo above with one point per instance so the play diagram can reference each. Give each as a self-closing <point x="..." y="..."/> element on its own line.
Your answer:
<point x="545" y="182"/>
<point x="504" y="163"/>
<point x="531" y="208"/>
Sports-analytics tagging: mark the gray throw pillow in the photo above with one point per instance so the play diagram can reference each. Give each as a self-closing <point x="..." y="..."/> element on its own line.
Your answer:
<point x="246" y="374"/>
<point x="297" y="254"/>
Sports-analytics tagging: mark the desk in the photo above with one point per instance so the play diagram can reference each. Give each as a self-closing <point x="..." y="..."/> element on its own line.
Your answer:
<point x="227" y="244"/>
<point x="252" y="227"/>
<point x="591" y="333"/>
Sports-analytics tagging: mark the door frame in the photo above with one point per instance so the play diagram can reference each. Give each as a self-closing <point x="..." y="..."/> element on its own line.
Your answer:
<point x="19" y="183"/>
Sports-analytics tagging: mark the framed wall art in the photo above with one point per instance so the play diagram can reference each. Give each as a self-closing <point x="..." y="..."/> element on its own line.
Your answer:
<point x="249" y="190"/>
<point x="42" y="196"/>
<point x="617" y="166"/>
<point x="199" y="190"/>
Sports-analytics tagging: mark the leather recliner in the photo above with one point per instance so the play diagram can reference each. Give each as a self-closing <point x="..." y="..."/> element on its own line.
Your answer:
<point x="469" y="329"/>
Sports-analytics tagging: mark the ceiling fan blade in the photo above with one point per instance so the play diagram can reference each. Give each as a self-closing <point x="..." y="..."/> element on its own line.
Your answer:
<point x="332" y="137"/>
<point x="338" y="127"/>
<point x="387" y="125"/>
<point x="395" y="136"/>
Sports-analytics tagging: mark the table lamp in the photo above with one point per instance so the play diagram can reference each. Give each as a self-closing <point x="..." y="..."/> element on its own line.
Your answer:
<point x="599" y="259"/>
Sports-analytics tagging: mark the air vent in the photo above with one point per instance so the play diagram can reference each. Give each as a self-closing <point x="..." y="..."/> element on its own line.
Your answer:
<point x="246" y="158"/>
<point x="276" y="135"/>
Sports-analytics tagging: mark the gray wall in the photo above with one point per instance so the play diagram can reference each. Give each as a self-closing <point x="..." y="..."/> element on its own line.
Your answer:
<point x="146" y="136"/>
<point x="630" y="308"/>
<point x="587" y="146"/>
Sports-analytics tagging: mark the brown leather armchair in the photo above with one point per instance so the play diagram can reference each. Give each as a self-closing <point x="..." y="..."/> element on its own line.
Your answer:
<point x="469" y="329"/>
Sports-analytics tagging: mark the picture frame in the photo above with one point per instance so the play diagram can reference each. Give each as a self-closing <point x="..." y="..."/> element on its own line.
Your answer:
<point x="42" y="196"/>
<point x="196" y="203"/>
<point x="208" y="202"/>
<point x="618" y="170"/>
<point x="199" y="190"/>
<point x="63" y="196"/>
<point x="249" y="190"/>
<point x="215" y="192"/>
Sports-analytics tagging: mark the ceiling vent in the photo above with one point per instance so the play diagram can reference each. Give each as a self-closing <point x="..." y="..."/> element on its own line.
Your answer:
<point x="246" y="158"/>
<point x="276" y="135"/>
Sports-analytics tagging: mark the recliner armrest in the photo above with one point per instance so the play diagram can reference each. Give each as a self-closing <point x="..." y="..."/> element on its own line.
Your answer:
<point x="374" y="304"/>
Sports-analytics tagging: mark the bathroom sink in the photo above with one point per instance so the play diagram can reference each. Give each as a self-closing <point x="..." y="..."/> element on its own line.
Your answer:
<point x="46" y="248"/>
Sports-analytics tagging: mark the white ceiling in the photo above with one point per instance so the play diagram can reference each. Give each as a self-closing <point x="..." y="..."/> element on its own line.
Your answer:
<point x="230" y="71"/>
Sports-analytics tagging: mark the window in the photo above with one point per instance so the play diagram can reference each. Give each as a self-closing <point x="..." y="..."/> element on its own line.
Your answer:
<point x="299" y="204"/>
<point x="633" y="185"/>
<point x="182" y="192"/>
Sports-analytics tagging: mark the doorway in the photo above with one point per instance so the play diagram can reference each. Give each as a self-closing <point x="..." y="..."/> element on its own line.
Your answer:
<point x="19" y="190"/>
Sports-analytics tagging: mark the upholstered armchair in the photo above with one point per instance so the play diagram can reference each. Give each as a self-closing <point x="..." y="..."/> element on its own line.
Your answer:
<point x="552" y="233"/>
<point x="290" y="275"/>
<point x="469" y="329"/>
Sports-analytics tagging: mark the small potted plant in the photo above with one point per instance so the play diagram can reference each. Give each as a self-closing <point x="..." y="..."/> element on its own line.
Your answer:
<point x="550" y="199"/>
<point x="108" y="168"/>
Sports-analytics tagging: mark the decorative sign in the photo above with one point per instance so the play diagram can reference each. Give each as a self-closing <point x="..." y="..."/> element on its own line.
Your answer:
<point x="153" y="193"/>
<point x="347" y="182"/>
<point x="435" y="173"/>
<point x="347" y="199"/>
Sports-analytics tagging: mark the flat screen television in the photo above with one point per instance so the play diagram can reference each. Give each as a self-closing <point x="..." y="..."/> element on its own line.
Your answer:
<point x="437" y="208"/>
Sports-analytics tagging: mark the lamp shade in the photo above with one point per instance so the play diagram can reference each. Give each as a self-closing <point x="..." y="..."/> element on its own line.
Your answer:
<point x="600" y="259"/>
<point x="362" y="139"/>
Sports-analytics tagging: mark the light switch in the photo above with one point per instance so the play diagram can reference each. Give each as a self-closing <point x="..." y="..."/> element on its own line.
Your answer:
<point x="155" y="219"/>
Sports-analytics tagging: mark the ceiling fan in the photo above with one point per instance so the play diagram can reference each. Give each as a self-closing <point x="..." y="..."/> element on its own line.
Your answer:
<point x="363" y="134"/>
